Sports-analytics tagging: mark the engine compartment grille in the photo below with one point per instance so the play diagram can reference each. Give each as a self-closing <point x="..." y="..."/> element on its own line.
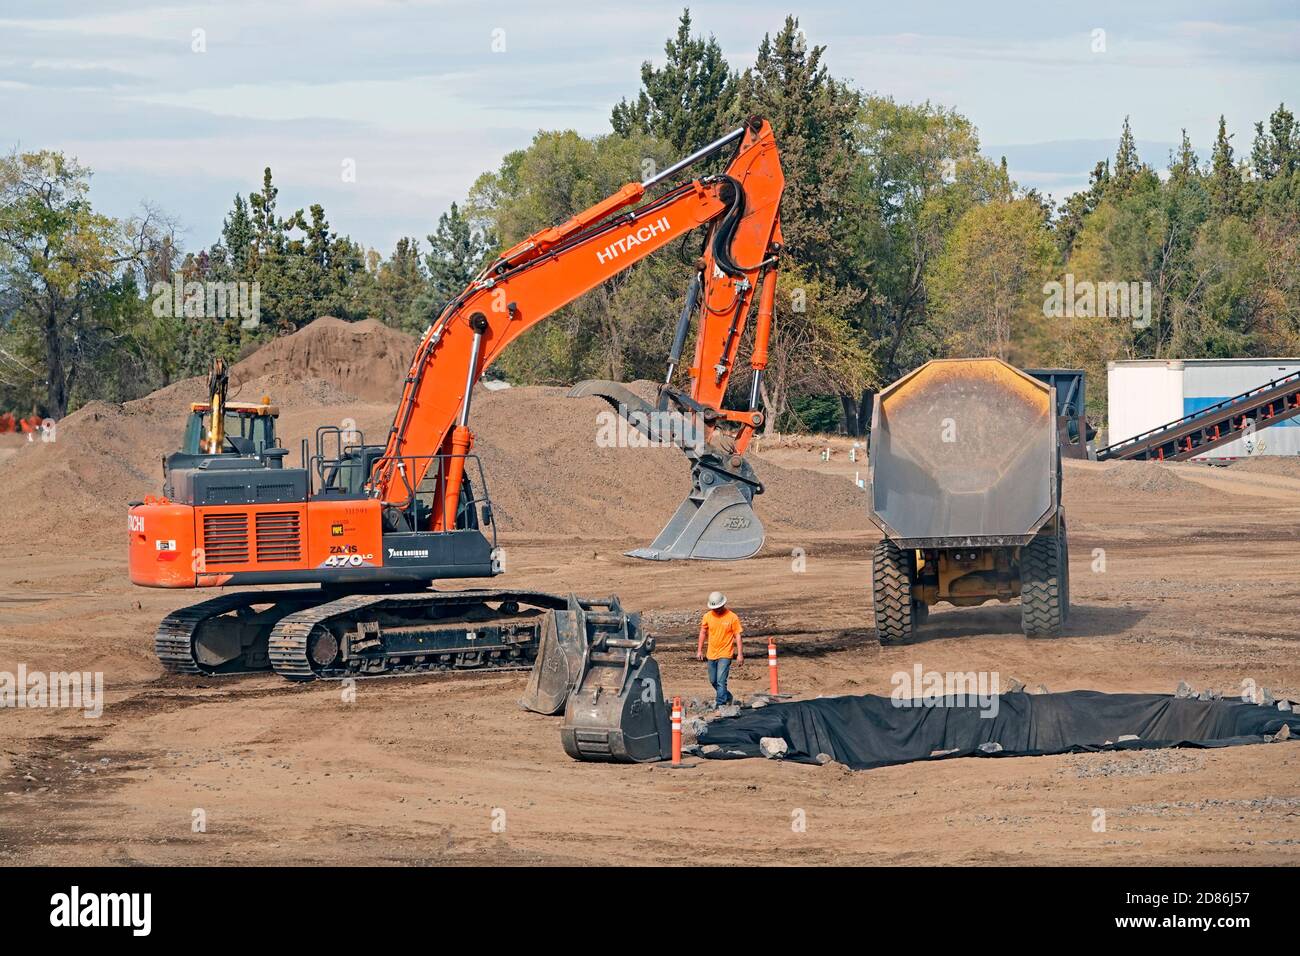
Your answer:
<point x="225" y="539"/>
<point x="279" y="536"/>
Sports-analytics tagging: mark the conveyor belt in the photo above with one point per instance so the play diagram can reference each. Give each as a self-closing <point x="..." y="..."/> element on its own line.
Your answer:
<point x="1202" y="431"/>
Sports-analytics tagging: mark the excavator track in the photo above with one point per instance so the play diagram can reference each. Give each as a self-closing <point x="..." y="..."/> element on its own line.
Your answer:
<point x="373" y="635"/>
<point x="174" y="641"/>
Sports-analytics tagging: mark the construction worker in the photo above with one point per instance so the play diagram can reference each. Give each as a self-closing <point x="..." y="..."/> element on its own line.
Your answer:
<point x="720" y="631"/>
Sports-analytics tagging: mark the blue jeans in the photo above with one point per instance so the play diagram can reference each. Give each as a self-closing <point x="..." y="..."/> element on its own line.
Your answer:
<point x="718" y="671"/>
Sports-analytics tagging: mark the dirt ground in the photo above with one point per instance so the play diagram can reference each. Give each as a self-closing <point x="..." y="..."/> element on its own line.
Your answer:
<point x="1199" y="582"/>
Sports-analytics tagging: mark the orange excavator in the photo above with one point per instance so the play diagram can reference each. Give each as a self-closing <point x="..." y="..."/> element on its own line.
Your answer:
<point x="362" y="531"/>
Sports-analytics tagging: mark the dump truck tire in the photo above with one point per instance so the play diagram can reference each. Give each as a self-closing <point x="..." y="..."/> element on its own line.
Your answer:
<point x="1045" y="584"/>
<point x="891" y="593"/>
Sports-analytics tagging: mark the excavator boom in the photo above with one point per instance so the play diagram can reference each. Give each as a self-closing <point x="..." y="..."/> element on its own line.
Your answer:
<point x="550" y="269"/>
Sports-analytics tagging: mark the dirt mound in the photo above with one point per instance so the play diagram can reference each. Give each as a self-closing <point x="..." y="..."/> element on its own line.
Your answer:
<point x="1284" y="467"/>
<point x="285" y="389"/>
<point x="75" y="489"/>
<point x="367" y="359"/>
<point x="72" y="492"/>
<point x="1144" y="478"/>
<point x="800" y="442"/>
<point x="290" y="391"/>
<point x="550" y="469"/>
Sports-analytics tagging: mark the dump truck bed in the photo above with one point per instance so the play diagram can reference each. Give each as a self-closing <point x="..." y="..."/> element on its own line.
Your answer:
<point x="963" y="452"/>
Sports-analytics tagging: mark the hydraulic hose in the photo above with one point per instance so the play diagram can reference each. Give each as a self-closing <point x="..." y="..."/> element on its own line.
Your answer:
<point x="733" y="194"/>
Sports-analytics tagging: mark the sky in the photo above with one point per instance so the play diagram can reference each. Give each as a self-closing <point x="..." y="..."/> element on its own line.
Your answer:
<point x="385" y="111"/>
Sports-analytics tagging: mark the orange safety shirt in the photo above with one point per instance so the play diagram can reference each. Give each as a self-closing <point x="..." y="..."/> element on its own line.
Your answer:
<point x="723" y="629"/>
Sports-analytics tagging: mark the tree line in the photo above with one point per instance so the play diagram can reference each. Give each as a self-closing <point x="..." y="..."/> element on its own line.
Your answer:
<point x="902" y="243"/>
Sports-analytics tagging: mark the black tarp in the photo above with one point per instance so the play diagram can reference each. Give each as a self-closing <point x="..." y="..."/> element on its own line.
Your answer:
<point x="869" y="731"/>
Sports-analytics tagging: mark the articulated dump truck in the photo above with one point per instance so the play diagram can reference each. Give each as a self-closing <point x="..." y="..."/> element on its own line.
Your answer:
<point x="965" y="484"/>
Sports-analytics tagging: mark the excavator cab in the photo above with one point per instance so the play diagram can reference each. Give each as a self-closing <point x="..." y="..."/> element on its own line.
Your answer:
<point x="344" y="464"/>
<point x="247" y="441"/>
<point x="348" y="472"/>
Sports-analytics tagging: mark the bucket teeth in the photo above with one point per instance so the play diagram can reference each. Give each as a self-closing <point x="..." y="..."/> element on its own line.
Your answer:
<point x="639" y="413"/>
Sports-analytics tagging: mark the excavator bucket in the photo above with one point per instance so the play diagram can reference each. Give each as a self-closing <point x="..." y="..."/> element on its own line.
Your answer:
<point x="595" y="666"/>
<point x="716" y="521"/>
<point x="616" y="712"/>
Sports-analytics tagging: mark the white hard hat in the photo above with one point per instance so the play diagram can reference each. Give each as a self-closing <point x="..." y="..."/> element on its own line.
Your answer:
<point x="716" y="600"/>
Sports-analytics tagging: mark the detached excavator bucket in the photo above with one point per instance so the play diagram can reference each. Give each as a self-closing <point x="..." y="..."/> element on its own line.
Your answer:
<point x="595" y="666"/>
<point x="716" y="522"/>
<point x="616" y="712"/>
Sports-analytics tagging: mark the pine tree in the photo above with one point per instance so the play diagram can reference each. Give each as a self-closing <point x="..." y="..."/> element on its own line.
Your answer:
<point x="318" y="238"/>
<point x="456" y="254"/>
<point x="1276" y="152"/>
<point x="688" y="103"/>
<point x="1185" y="164"/>
<point x="1080" y="205"/>
<point x="1128" y="165"/>
<point x="398" y="283"/>
<point x="237" y="235"/>
<point x="813" y="117"/>
<point x="268" y="229"/>
<point x="1225" y="177"/>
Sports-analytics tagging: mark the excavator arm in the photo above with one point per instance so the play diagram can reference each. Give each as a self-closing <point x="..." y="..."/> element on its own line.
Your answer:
<point x="551" y="268"/>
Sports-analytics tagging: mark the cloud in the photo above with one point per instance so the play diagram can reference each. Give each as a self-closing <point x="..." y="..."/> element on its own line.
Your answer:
<point x="416" y="92"/>
<point x="65" y="76"/>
